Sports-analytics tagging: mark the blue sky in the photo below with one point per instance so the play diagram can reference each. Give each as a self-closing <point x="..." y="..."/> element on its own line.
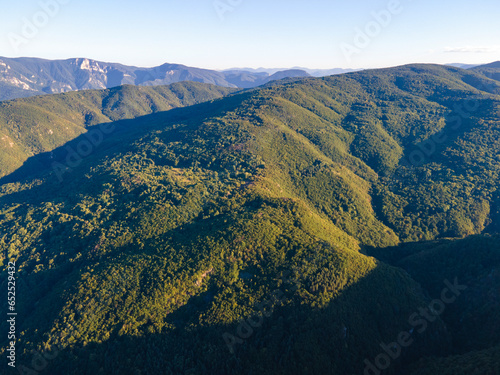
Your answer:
<point x="219" y="34"/>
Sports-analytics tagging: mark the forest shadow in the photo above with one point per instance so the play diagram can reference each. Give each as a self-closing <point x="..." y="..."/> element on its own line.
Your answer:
<point x="472" y="262"/>
<point x="288" y="339"/>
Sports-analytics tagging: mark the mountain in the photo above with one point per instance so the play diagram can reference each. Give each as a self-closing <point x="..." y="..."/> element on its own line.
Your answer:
<point x="245" y="79"/>
<point x="293" y="73"/>
<point x="493" y="65"/>
<point x="31" y="126"/>
<point x="312" y="72"/>
<point x="327" y="72"/>
<point x="23" y="77"/>
<point x="489" y="70"/>
<point x="463" y="66"/>
<point x="305" y="226"/>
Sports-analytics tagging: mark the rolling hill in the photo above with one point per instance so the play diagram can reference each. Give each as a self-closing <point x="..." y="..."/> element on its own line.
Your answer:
<point x="489" y="70"/>
<point x="292" y="228"/>
<point x="39" y="124"/>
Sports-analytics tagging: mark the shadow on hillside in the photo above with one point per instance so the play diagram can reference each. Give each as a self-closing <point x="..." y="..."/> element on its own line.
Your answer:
<point x="394" y="254"/>
<point x="473" y="262"/>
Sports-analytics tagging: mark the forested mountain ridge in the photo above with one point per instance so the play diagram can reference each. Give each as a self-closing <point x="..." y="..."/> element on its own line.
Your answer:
<point x="489" y="70"/>
<point x="39" y="124"/>
<point x="169" y="238"/>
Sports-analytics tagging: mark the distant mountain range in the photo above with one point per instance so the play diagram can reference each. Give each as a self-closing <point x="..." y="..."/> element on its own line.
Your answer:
<point x="24" y="77"/>
<point x="312" y="72"/>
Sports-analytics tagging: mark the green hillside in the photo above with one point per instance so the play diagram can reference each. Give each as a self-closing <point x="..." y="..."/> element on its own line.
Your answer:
<point x="266" y="232"/>
<point x="39" y="124"/>
<point x="489" y="70"/>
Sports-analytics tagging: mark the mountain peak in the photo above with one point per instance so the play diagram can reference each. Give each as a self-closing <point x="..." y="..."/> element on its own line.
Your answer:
<point x="23" y="77"/>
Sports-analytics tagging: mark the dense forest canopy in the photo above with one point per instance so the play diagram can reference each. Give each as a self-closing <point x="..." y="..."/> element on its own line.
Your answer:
<point x="292" y="228"/>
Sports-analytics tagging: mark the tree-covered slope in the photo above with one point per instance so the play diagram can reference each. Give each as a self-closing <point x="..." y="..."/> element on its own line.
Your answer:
<point x="195" y="232"/>
<point x="40" y="124"/>
<point x="489" y="70"/>
<point x="473" y="319"/>
<point x="230" y="236"/>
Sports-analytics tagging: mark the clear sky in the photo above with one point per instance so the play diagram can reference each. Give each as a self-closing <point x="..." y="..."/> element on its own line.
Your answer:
<point x="219" y="34"/>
